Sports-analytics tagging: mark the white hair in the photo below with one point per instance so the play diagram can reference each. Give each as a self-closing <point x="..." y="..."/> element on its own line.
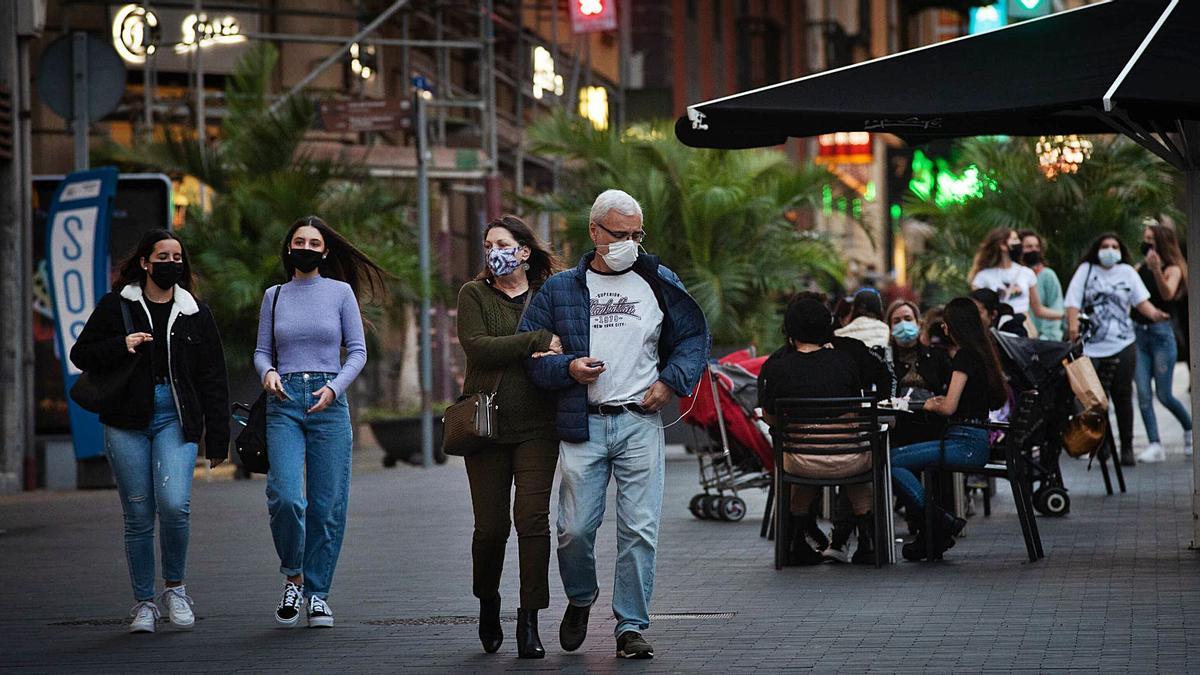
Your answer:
<point x="614" y="200"/>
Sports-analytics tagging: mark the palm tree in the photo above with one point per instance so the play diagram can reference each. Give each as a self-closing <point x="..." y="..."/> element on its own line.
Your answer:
<point x="1113" y="190"/>
<point x="719" y="219"/>
<point x="260" y="180"/>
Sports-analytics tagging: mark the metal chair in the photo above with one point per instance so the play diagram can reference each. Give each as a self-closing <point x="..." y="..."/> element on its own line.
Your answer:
<point x="1009" y="465"/>
<point x="828" y="426"/>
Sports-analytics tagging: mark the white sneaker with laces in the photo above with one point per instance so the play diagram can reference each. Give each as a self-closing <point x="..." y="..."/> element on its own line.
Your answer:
<point x="179" y="607"/>
<point x="1153" y="453"/>
<point x="1187" y="443"/>
<point x="319" y="614"/>
<point x="145" y="615"/>
<point x="288" y="612"/>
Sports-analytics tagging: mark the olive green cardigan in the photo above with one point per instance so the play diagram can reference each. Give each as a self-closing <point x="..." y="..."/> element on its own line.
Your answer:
<point x="487" y="326"/>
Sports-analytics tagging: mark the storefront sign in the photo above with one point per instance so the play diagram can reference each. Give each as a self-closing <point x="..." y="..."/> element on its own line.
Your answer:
<point x="77" y="261"/>
<point x="844" y="147"/>
<point x="171" y="34"/>
<point x="370" y="115"/>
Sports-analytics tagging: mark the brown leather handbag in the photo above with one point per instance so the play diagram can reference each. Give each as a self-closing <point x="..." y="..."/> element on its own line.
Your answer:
<point x="469" y="425"/>
<point x="1085" y="432"/>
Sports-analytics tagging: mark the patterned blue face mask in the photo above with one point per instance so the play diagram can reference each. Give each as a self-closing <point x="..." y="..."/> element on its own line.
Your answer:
<point x="504" y="261"/>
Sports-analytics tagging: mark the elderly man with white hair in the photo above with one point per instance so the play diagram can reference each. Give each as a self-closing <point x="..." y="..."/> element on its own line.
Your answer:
<point x="631" y="337"/>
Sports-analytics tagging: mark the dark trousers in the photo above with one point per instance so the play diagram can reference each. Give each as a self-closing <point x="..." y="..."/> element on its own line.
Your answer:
<point x="492" y="473"/>
<point x="1116" y="374"/>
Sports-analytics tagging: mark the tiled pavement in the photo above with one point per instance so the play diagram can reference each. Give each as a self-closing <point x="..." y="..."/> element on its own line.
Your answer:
<point x="1117" y="592"/>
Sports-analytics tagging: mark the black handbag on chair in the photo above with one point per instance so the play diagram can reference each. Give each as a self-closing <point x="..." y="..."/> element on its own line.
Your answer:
<point x="104" y="391"/>
<point x="251" y="442"/>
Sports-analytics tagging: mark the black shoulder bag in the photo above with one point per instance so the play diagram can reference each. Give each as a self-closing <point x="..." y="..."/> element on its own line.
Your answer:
<point x="251" y="442"/>
<point x="104" y="391"/>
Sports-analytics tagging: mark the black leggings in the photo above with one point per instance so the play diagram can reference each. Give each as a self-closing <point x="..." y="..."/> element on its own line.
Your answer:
<point x="1116" y="374"/>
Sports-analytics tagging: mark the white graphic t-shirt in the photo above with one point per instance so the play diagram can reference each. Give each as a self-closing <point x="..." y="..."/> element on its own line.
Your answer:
<point x="1108" y="294"/>
<point x="626" y="322"/>
<point x="1011" y="283"/>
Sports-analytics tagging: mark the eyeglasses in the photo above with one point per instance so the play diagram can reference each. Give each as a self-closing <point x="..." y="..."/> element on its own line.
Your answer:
<point x="638" y="236"/>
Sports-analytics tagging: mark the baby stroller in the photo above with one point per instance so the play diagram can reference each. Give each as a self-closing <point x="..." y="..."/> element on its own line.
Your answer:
<point x="1038" y="364"/>
<point x="730" y="447"/>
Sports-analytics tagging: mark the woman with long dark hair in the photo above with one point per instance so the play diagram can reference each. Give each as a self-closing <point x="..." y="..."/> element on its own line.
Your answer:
<point x="176" y="395"/>
<point x="1164" y="272"/>
<point x="997" y="266"/>
<point x="309" y="436"/>
<point x="976" y="387"/>
<point x="525" y="453"/>
<point x="1108" y="289"/>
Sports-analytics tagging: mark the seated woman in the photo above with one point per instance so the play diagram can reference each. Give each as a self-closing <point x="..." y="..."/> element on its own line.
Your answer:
<point x="976" y="387"/>
<point x="789" y="373"/>
<point x="922" y="371"/>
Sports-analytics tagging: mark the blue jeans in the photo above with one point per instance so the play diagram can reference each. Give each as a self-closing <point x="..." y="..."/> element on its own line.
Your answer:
<point x="153" y="468"/>
<point x="963" y="445"/>
<point x="629" y="447"/>
<point x="308" y="485"/>
<point x="1156" y="355"/>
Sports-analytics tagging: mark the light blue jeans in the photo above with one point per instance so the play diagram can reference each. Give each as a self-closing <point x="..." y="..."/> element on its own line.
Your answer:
<point x="628" y="447"/>
<point x="1156" y="355"/>
<point x="308" y="485"/>
<point x="963" y="445"/>
<point x="153" y="469"/>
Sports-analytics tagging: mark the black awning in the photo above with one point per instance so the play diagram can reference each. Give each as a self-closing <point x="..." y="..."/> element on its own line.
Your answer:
<point x="1045" y="76"/>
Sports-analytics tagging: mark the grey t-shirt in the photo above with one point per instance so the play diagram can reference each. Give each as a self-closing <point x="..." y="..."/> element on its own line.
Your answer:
<point x="626" y="322"/>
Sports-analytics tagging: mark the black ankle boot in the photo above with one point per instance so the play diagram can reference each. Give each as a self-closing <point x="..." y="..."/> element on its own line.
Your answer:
<point x="529" y="644"/>
<point x="799" y="551"/>
<point x="865" y="553"/>
<point x="490" y="633"/>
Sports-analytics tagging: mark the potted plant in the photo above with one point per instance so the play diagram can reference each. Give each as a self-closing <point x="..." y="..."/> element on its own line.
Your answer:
<point x="398" y="432"/>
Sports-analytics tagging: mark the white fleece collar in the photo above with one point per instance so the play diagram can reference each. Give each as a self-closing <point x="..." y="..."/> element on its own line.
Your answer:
<point x="183" y="300"/>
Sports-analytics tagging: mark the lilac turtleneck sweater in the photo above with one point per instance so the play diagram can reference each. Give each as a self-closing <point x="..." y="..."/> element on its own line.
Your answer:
<point x="314" y="319"/>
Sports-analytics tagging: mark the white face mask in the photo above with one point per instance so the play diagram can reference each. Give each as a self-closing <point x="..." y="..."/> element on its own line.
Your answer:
<point x="621" y="255"/>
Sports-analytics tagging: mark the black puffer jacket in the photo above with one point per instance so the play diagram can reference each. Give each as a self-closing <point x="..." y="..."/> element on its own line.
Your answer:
<point x="197" y="366"/>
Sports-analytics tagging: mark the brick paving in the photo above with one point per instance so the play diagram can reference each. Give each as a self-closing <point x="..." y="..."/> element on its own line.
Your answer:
<point x="1119" y="591"/>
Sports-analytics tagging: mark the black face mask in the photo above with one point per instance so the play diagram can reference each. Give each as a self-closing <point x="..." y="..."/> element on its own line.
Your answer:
<point x="166" y="274"/>
<point x="1031" y="258"/>
<point x="1014" y="252"/>
<point x="1147" y="247"/>
<point x="306" y="259"/>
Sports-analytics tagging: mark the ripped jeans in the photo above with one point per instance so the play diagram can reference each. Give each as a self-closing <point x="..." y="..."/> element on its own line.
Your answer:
<point x="153" y="468"/>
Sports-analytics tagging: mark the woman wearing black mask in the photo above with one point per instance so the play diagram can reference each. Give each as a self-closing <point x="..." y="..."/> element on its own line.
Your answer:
<point x="1049" y="288"/>
<point x="309" y="437"/>
<point x="177" y="393"/>
<point x="998" y="267"/>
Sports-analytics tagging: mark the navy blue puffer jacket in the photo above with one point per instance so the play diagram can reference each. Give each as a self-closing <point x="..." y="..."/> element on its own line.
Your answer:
<point x="561" y="307"/>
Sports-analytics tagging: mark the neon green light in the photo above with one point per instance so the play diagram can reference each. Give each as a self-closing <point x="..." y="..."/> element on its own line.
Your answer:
<point x="827" y="200"/>
<point x="869" y="195"/>
<point x="843" y="205"/>
<point x="856" y="209"/>
<point x="897" y="212"/>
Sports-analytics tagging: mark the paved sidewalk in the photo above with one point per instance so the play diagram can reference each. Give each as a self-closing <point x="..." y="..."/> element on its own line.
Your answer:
<point x="1118" y="591"/>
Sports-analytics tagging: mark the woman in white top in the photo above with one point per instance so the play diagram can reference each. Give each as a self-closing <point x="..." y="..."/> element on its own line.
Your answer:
<point x="997" y="267"/>
<point x="1106" y="289"/>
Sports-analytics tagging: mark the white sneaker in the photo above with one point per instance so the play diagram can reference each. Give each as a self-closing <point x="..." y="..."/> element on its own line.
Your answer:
<point x="145" y="615"/>
<point x="1187" y="443"/>
<point x="319" y="614"/>
<point x="836" y="554"/>
<point x="179" y="607"/>
<point x="288" y="612"/>
<point x="1153" y="453"/>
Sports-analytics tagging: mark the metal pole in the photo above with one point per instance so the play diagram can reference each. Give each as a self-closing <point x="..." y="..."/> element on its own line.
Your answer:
<point x="624" y="40"/>
<point x="337" y="53"/>
<point x="79" y="99"/>
<point x="1191" y="142"/>
<point x="201" y="113"/>
<point x="148" y="87"/>
<point x="426" y="286"/>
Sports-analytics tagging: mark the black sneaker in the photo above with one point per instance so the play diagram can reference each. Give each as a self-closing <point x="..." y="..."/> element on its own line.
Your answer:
<point x="288" y="613"/>
<point x="319" y="614"/>
<point x="573" y="629"/>
<point x="631" y="645"/>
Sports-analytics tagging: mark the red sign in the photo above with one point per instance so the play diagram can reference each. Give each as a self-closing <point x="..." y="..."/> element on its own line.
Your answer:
<point x="593" y="16"/>
<point x="844" y="147"/>
<point x="371" y="115"/>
